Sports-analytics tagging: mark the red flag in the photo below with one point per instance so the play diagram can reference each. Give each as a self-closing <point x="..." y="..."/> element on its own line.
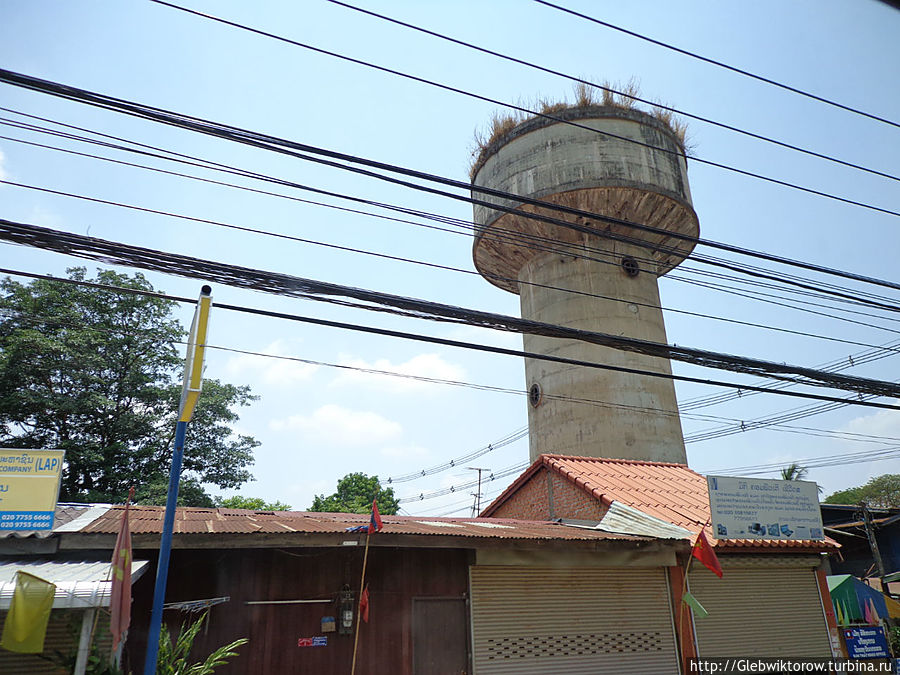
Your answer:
<point x="120" y="597"/>
<point x="375" y="520"/>
<point x="364" y="604"/>
<point x="703" y="552"/>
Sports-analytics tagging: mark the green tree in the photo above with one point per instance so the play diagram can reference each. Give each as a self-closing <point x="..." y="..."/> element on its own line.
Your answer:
<point x="852" y="495"/>
<point x="251" y="504"/>
<point x="794" y="471"/>
<point x="355" y="493"/>
<point x="96" y="372"/>
<point x="155" y="492"/>
<point x="880" y="492"/>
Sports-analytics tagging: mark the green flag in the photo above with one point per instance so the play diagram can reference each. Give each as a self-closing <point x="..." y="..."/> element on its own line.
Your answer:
<point x="29" y="611"/>
<point x="692" y="602"/>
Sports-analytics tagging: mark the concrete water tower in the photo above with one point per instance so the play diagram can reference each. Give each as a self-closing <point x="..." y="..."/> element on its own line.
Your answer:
<point x="589" y="281"/>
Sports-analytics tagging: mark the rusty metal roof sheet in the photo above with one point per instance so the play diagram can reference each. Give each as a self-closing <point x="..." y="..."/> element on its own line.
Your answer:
<point x="204" y="521"/>
<point x="63" y="516"/>
<point x="671" y="492"/>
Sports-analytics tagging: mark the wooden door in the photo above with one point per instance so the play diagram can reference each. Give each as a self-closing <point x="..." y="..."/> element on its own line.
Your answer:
<point x="440" y="636"/>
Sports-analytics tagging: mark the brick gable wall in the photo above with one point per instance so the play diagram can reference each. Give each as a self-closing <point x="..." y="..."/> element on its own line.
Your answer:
<point x="547" y="495"/>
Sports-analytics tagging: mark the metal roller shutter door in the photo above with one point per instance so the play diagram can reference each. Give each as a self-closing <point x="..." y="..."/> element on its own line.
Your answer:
<point x="773" y="611"/>
<point x="589" y="621"/>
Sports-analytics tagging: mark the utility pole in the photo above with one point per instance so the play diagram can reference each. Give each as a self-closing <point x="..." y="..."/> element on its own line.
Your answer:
<point x="873" y="544"/>
<point x="190" y="393"/>
<point x="476" y="507"/>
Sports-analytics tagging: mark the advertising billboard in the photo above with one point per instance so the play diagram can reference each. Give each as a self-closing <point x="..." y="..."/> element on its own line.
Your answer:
<point x="752" y="508"/>
<point x="29" y="487"/>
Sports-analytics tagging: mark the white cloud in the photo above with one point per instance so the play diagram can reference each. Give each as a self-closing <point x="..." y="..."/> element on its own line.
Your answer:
<point x="339" y="426"/>
<point x="423" y="365"/>
<point x="275" y="372"/>
<point x="881" y="423"/>
<point x="3" y="172"/>
<point x="413" y="452"/>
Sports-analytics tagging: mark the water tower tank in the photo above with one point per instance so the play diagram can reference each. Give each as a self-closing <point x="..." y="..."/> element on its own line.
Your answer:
<point x="590" y="281"/>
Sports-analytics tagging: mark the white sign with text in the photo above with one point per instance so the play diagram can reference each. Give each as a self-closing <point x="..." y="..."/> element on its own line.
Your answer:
<point x="750" y="508"/>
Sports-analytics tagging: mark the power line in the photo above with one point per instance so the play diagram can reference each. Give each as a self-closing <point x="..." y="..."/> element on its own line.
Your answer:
<point x="705" y="59"/>
<point x="603" y="87"/>
<point x="535" y="113"/>
<point x="414" y="261"/>
<point x="252" y="138"/>
<point x="749" y="425"/>
<point x="215" y="166"/>
<point x="511" y="438"/>
<point x="816" y="462"/>
<point x="780" y="425"/>
<point x="839" y="364"/>
<point x="523" y="432"/>
<point x="762" y="422"/>
<point x="487" y="494"/>
<point x="292" y="286"/>
<point x="499" y="234"/>
<point x="457" y="461"/>
<point x="508" y="235"/>
<point x="832" y="460"/>
<point x="807" y="289"/>
<point x="768" y="298"/>
<point x="496" y="233"/>
<point x="797" y="413"/>
<point x="445" y="219"/>
<point x="464" y="345"/>
<point x="503" y="473"/>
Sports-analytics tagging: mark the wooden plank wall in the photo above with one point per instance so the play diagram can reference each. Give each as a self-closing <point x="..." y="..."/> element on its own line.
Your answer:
<point x="395" y="576"/>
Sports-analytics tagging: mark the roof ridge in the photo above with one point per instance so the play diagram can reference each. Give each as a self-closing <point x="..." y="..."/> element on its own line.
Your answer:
<point x="547" y="457"/>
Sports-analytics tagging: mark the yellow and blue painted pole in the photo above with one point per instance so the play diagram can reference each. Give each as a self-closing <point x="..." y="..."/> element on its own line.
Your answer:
<point x="190" y="392"/>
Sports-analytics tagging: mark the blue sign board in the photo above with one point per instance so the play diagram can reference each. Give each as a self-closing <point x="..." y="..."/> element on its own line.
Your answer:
<point x="866" y="642"/>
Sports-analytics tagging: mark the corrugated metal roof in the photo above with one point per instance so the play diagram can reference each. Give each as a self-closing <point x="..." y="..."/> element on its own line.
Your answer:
<point x="888" y="520"/>
<point x="201" y="521"/>
<point x="629" y="520"/>
<point x="79" y="583"/>
<point x="63" y="515"/>
<point x="671" y="492"/>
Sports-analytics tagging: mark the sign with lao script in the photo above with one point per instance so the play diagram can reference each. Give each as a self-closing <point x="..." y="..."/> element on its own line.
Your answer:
<point x="752" y="508"/>
<point x="866" y="642"/>
<point x="29" y="487"/>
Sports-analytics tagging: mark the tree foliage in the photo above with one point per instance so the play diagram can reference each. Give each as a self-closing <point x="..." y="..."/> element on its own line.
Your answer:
<point x="355" y="493"/>
<point x="880" y="492"/>
<point x="251" y="504"/>
<point x="794" y="471"/>
<point x="155" y="492"/>
<point x="96" y="372"/>
<point x="175" y="657"/>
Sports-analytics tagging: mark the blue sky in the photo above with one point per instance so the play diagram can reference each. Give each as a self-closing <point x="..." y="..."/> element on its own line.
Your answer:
<point x="318" y="423"/>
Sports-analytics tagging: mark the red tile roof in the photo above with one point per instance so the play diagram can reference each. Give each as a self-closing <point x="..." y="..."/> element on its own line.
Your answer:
<point x="202" y="521"/>
<point x="671" y="492"/>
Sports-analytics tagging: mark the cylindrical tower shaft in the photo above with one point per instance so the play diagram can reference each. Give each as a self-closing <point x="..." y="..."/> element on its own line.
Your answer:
<point x="591" y="281"/>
